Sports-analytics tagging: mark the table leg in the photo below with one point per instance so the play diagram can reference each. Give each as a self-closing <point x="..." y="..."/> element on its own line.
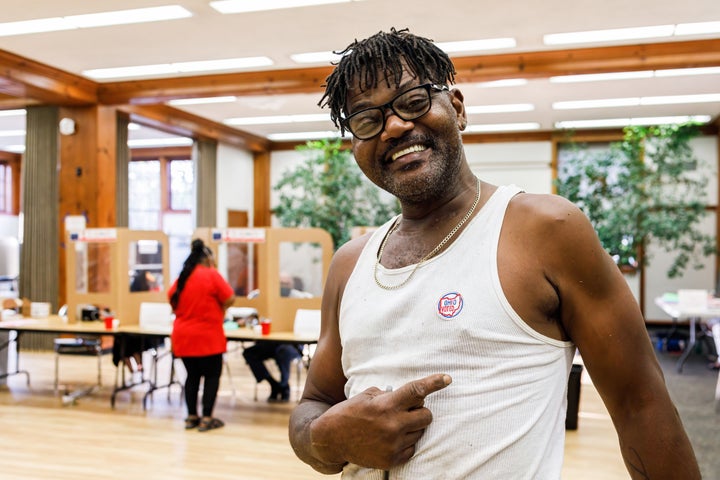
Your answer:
<point x="17" y="371"/>
<point x="689" y="347"/>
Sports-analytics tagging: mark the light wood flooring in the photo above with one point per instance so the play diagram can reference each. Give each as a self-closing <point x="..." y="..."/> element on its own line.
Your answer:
<point x="41" y="438"/>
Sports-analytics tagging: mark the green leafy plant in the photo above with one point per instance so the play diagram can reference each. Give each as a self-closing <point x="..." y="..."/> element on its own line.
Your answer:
<point x="329" y="191"/>
<point x="645" y="189"/>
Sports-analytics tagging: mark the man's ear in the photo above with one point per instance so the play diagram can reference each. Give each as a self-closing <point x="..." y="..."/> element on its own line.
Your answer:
<point x="458" y="103"/>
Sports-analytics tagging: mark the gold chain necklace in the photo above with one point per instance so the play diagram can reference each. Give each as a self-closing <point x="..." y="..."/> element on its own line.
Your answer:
<point x="429" y="255"/>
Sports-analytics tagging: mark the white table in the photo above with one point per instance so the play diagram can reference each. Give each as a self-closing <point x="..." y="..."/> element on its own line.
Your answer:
<point x="693" y="316"/>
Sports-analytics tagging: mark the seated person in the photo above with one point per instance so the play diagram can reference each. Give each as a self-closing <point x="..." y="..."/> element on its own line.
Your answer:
<point x="282" y="353"/>
<point x="130" y="351"/>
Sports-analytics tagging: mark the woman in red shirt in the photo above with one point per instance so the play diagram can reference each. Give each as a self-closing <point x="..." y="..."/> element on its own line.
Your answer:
<point x="199" y="298"/>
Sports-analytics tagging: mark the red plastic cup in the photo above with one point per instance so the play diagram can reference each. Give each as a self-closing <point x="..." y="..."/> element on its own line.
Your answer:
<point x="265" y="328"/>
<point x="109" y="323"/>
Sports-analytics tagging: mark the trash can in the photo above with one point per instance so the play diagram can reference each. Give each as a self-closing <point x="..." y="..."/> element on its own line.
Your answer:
<point x="573" y="397"/>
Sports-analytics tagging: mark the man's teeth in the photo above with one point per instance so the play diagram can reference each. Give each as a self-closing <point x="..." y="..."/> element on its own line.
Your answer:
<point x="405" y="151"/>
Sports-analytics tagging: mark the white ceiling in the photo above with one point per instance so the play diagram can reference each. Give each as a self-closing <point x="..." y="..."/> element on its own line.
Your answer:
<point x="280" y="33"/>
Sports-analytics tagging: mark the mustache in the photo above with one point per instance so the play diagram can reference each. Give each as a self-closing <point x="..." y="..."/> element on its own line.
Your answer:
<point x="402" y="142"/>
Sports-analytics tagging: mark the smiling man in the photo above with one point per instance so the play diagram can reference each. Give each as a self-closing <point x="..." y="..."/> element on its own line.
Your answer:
<point x="448" y="334"/>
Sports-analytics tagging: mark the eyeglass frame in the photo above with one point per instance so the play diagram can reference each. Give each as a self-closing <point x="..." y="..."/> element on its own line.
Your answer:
<point x="345" y="122"/>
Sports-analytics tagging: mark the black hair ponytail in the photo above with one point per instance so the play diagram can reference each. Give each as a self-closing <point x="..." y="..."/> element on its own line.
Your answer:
<point x="198" y="252"/>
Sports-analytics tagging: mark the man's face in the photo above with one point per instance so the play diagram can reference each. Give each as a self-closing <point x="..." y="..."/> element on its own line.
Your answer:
<point x="414" y="160"/>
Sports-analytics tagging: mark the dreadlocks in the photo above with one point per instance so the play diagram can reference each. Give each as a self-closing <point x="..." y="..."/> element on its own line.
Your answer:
<point x="383" y="55"/>
<point x="198" y="252"/>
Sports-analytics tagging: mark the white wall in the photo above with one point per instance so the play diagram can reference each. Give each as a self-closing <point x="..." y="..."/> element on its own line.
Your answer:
<point x="525" y="164"/>
<point x="9" y="225"/>
<point x="234" y="182"/>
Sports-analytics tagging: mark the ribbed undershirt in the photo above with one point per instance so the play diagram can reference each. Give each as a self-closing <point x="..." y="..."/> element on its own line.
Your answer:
<point x="503" y="415"/>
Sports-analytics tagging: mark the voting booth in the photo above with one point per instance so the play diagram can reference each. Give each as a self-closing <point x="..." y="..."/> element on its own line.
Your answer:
<point x="115" y="269"/>
<point x="252" y="260"/>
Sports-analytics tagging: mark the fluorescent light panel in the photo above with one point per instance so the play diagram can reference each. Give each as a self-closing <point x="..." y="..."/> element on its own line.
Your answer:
<point x="507" y="82"/>
<point x="600" y="77"/>
<point x="244" y="6"/>
<point x="637" y="101"/>
<point x="103" y="19"/>
<point x="624" y="122"/>
<point x="633" y="33"/>
<point x="160" y="142"/>
<point x="202" y="101"/>
<point x="180" y="67"/>
<point x="475" y="45"/>
<point x="13" y="113"/>
<point x="609" y="35"/>
<point x="506" y="108"/>
<point x="448" y="47"/>
<point x="315" y="57"/>
<point x="502" y="127"/>
<point x="278" y="119"/>
<point x="286" y="137"/>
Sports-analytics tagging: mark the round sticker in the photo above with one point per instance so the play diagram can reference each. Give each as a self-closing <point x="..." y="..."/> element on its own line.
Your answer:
<point x="449" y="305"/>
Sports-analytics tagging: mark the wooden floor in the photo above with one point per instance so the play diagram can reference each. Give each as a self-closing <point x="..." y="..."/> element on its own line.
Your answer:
<point x="40" y="438"/>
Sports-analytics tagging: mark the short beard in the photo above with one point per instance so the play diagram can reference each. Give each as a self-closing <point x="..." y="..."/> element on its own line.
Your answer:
<point x="441" y="178"/>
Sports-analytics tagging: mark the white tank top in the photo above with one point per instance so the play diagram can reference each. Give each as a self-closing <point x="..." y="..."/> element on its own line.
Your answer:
<point x="503" y="416"/>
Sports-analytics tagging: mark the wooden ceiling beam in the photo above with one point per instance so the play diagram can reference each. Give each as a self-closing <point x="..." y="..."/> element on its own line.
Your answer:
<point x="623" y="58"/>
<point x="697" y="53"/>
<point x="24" y="78"/>
<point x="179" y="122"/>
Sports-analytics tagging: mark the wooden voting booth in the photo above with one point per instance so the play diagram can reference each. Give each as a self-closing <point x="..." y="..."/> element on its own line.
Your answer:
<point x="101" y="264"/>
<point x="262" y="263"/>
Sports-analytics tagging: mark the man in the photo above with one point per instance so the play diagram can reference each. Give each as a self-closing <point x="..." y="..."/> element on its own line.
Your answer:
<point x="468" y="306"/>
<point x="282" y="353"/>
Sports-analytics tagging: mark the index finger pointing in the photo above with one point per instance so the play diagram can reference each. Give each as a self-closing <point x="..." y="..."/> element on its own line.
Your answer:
<point x="413" y="394"/>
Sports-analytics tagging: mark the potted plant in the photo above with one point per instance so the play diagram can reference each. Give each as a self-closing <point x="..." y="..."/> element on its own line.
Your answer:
<point x="645" y="188"/>
<point x="329" y="191"/>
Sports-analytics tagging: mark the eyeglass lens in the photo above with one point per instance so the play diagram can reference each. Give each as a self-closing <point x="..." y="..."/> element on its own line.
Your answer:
<point x="408" y="106"/>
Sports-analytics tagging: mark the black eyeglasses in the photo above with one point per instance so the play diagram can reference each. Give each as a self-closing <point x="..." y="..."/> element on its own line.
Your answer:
<point x="408" y="105"/>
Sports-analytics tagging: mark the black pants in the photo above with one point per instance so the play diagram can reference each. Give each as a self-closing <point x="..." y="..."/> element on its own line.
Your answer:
<point x="282" y="353"/>
<point x="198" y="367"/>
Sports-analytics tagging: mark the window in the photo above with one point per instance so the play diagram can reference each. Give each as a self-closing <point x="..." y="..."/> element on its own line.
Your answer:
<point x="161" y="188"/>
<point x="144" y="195"/>
<point x="181" y="184"/>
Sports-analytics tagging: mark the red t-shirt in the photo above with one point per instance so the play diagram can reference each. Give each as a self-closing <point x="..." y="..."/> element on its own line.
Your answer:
<point x="199" y="315"/>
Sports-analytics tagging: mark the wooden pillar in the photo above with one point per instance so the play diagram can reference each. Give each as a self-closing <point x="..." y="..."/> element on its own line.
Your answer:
<point x="261" y="190"/>
<point x="87" y="173"/>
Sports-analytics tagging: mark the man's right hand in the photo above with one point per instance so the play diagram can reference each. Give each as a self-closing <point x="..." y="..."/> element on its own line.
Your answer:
<point x="375" y="428"/>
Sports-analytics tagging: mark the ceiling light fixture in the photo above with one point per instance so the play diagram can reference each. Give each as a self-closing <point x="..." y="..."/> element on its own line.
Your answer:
<point x="476" y="45"/>
<point x="609" y="35"/>
<point x="624" y="122"/>
<point x="287" y="137"/>
<point x="599" y="77"/>
<point x="91" y="20"/>
<point x="637" y="101"/>
<point x="315" y="57"/>
<point x="160" y="142"/>
<point x="502" y="127"/>
<point x="13" y="113"/>
<point x="278" y="119"/>
<point x="633" y="33"/>
<point x="244" y="6"/>
<point x="506" y="108"/>
<point x="202" y="101"/>
<point x="677" y="72"/>
<point x="697" y="28"/>
<point x="507" y="82"/>
<point x="180" y="67"/>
